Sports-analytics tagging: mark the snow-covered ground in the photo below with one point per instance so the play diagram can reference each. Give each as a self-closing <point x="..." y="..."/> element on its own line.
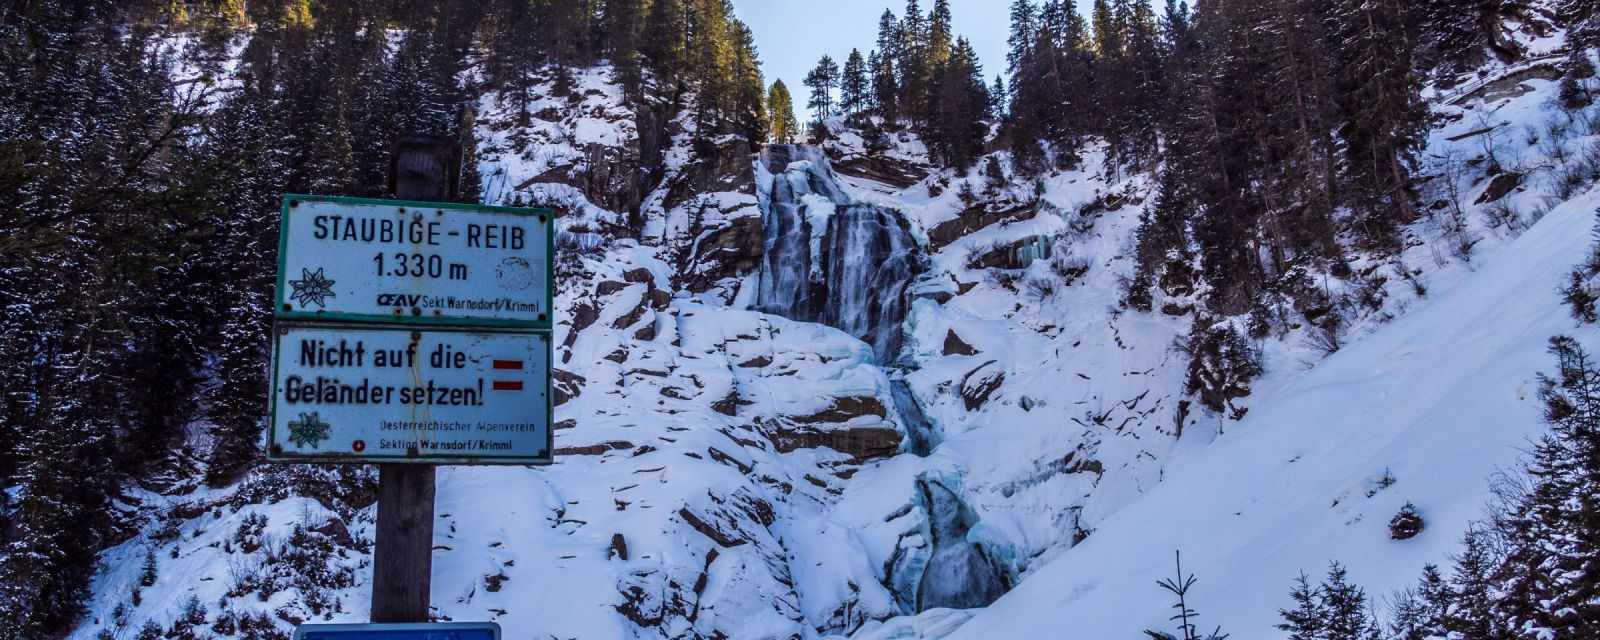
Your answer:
<point x="1439" y="399"/>
<point x="726" y="471"/>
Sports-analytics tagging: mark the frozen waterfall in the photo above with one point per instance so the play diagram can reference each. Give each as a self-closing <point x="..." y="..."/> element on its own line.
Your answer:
<point x="847" y="264"/>
<point x="960" y="574"/>
<point x="828" y="258"/>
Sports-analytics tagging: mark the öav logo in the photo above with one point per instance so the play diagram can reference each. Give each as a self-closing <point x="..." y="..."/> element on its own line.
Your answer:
<point x="399" y="299"/>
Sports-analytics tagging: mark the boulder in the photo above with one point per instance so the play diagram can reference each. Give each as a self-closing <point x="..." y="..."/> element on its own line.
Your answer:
<point x="980" y="383"/>
<point x="971" y="220"/>
<point x="730" y="250"/>
<point x="890" y="171"/>
<point x="955" y="346"/>
<point x="1499" y="186"/>
<point x="861" y="443"/>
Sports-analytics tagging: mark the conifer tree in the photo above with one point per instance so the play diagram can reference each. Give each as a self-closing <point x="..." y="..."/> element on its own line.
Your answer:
<point x="1022" y="32"/>
<point x="885" y="78"/>
<point x="1308" y="619"/>
<point x="854" y="87"/>
<point x="749" y="111"/>
<point x="941" y="36"/>
<point x="1551" y="575"/>
<point x="912" y="63"/>
<point x="663" y="46"/>
<point x="1384" y="118"/>
<point x="821" y="80"/>
<point x="624" y="21"/>
<point x="1471" y="603"/>
<point x="1344" y="605"/>
<point x="1434" y="599"/>
<point x="957" y="129"/>
<point x="780" y="110"/>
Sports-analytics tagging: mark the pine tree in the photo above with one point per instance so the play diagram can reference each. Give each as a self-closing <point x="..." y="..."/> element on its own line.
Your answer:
<point x="1434" y="599"/>
<point x="1299" y="188"/>
<point x="822" y="79"/>
<point x="1345" y="607"/>
<point x="1471" y="603"/>
<point x="1454" y="36"/>
<point x="1021" y="37"/>
<point x="912" y="63"/>
<point x="854" y="87"/>
<point x="957" y="128"/>
<point x="999" y="98"/>
<point x="147" y="575"/>
<point x="1162" y="237"/>
<point x="1554" y="560"/>
<point x="1141" y="106"/>
<point x="1185" y="616"/>
<point x="624" y="23"/>
<point x="885" y="81"/>
<point x="1384" y="117"/>
<point x="780" y="109"/>
<point x="1408" y="619"/>
<point x="663" y="46"/>
<point x="1308" y="620"/>
<point x="941" y="44"/>
<point x="750" y="117"/>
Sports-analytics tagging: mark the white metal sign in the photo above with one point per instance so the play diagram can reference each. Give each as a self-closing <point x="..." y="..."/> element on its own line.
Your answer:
<point x="352" y="393"/>
<point x="414" y="262"/>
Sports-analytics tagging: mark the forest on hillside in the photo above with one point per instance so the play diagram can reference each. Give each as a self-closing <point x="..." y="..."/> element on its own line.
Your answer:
<point x="1284" y="133"/>
<point x="144" y="147"/>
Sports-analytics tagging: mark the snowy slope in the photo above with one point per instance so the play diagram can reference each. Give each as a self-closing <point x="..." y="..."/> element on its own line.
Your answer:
<point x="1441" y="398"/>
<point x="727" y="472"/>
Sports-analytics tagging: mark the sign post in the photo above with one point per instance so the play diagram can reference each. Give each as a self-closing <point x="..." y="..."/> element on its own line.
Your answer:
<point x="434" y="631"/>
<point x="411" y="333"/>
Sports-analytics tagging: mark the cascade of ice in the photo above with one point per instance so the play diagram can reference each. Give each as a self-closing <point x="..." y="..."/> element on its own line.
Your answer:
<point x="959" y="573"/>
<point x="870" y="257"/>
<point x="921" y="436"/>
<point x="827" y="258"/>
<point x="848" y="264"/>
<point x="786" y="278"/>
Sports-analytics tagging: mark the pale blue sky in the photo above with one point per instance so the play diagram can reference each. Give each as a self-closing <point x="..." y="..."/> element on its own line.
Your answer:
<point x="792" y="34"/>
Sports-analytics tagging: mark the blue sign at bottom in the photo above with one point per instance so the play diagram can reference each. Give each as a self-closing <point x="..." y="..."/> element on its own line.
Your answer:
<point x="420" y="631"/>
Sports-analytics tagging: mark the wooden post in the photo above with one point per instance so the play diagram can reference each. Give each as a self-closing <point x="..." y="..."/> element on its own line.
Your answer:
<point x="422" y="168"/>
<point x="402" y="566"/>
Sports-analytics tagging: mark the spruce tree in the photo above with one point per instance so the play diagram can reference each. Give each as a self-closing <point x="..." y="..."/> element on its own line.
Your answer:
<point x="780" y="109"/>
<point x="1553" y="568"/>
<point x="1472" y="588"/>
<point x="663" y="45"/>
<point x="1344" y="605"/>
<point x="912" y="63"/>
<point x="821" y="80"/>
<point x="957" y="129"/>
<point x="885" y="74"/>
<point x="1384" y="117"/>
<point x="854" y="87"/>
<point x="1308" y="619"/>
<point x="1020" y="38"/>
<point x="624" y="24"/>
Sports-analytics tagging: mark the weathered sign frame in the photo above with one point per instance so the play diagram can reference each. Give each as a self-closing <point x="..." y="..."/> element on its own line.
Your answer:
<point x="363" y="630"/>
<point x="285" y="311"/>
<point x="276" y="453"/>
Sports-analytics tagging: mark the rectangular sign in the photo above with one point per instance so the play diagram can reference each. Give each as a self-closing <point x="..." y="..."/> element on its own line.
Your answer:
<point x="368" y="393"/>
<point x="418" y="631"/>
<point x="414" y="262"/>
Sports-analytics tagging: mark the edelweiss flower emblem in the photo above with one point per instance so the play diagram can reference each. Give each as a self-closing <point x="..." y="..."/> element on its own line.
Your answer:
<point x="312" y="288"/>
<point x="309" y="430"/>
